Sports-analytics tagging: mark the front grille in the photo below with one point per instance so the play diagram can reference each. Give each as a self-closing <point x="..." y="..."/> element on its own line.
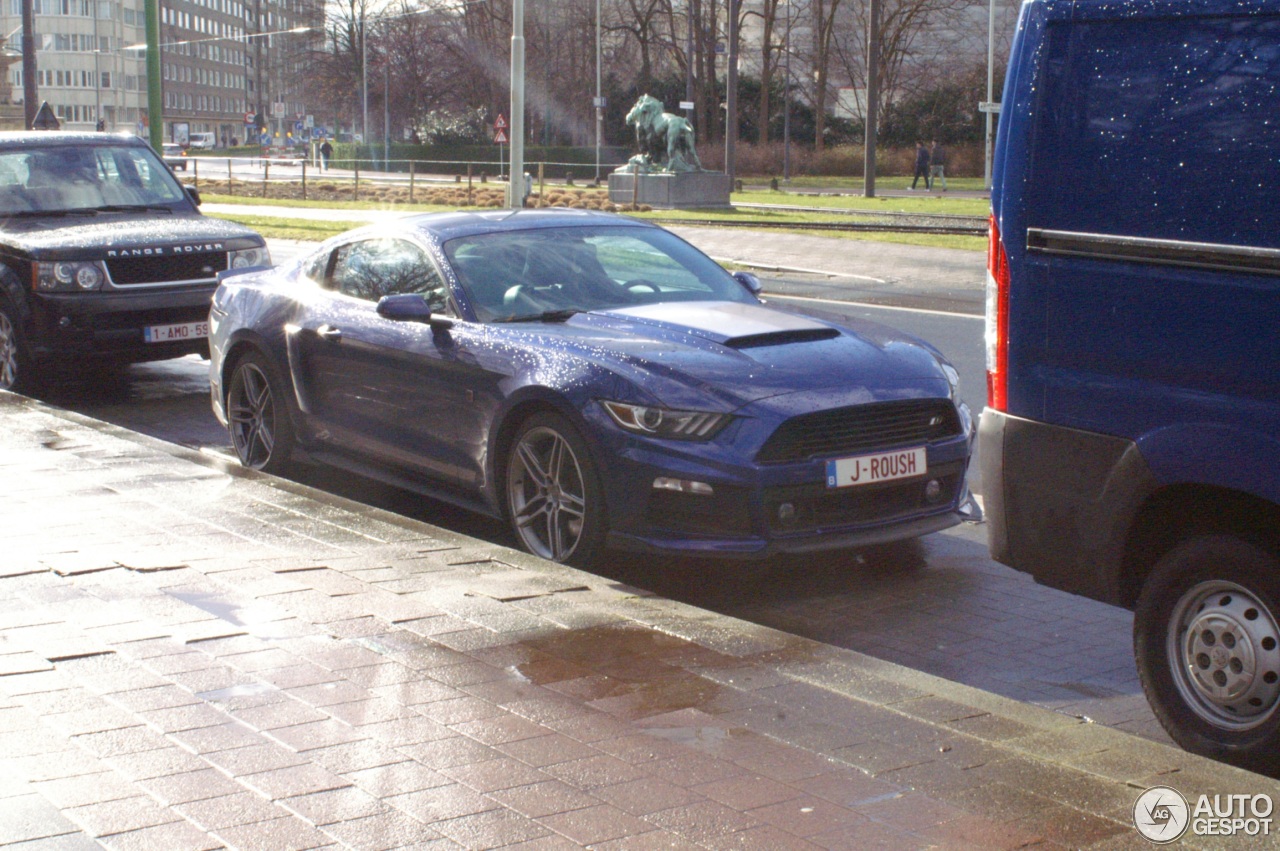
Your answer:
<point x="815" y="507"/>
<point x="204" y="266"/>
<point x="861" y="428"/>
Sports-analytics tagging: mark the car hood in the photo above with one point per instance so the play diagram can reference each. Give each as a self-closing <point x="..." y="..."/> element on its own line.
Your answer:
<point x="690" y="353"/>
<point x="89" y="237"/>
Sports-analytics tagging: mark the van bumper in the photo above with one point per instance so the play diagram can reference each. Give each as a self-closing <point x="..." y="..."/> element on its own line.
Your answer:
<point x="1060" y="502"/>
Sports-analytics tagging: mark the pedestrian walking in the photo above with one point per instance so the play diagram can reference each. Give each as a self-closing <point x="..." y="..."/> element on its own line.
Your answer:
<point x="326" y="151"/>
<point x="922" y="165"/>
<point x="938" y="164"/>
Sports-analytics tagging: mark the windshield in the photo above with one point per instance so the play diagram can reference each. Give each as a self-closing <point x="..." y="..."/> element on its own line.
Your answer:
<point x="523" y="274"/>
<point x="69" y="178"/>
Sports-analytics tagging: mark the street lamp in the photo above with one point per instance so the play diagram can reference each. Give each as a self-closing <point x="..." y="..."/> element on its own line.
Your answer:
<point x="515" y="186"/>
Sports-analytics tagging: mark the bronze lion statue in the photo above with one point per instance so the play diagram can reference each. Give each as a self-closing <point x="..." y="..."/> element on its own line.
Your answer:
<point x="665" y="140"/>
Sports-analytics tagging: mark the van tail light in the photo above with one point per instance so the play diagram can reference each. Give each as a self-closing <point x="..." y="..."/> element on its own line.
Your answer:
<point x="997" y="320"/>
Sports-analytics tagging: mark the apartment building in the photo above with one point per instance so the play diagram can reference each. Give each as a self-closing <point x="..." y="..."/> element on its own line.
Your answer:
<point x="222" y="62"/>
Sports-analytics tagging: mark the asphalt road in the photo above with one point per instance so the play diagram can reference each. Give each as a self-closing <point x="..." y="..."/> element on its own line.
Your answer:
<point x="938" y="604"/>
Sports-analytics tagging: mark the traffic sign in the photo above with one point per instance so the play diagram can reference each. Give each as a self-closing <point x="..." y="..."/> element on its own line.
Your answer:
<point x="249" y="118"/>
<point x="298" y="125"/>
<point x="499" y="138"/>
<point x="500" y="123"/>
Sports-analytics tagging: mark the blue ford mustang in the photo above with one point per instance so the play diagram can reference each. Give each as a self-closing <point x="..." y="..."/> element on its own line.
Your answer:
<point x="593" y="379"/>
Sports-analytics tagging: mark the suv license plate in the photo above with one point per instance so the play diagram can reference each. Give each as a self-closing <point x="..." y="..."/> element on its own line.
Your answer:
<point x="878" y="467"/>
<point x="170" y="333"/>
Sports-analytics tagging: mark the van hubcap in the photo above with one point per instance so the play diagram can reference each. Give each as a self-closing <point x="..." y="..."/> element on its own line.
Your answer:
<point x="1225" y="647"/>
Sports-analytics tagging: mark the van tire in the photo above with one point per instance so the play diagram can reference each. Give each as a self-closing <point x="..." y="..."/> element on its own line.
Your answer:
<point x="1207" y="641"/>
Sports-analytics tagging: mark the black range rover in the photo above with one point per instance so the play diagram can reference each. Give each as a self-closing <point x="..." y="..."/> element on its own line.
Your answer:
<point x="103" y="255"/>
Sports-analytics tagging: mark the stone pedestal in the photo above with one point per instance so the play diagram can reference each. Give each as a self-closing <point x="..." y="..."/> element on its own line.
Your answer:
<point x="671" y="191"/>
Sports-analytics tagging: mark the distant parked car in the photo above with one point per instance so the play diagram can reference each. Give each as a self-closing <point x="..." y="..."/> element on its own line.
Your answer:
<point x="104" y="257"/>
<point x="596" y="381"/>
<point x="175" y="155"/>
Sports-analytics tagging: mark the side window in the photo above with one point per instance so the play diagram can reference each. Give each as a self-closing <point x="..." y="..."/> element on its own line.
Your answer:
<point x="316" y="267"/>
<point x="374" y="268"/>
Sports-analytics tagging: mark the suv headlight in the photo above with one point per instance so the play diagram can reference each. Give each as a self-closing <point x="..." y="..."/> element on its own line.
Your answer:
<point x="246" y="257"/>
<point x="69" y="276"/>
<point x="665" y="422"/>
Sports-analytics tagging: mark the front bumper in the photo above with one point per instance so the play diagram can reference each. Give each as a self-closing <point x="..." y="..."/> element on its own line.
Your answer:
<point x="756" y="511"/>
<point x="109" y="325"/>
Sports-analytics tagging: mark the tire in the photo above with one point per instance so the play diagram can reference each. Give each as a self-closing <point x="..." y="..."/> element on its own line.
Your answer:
<point x="1207" y="642"/>
<point x="258" y="415"/>
<point x="16" y="370"/>
<point x="555" y="503"/>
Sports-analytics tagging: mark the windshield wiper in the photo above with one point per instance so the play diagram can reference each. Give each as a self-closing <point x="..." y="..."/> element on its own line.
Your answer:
<point x="132" y="208"/>
<point x="42" y="214"/>
<point x="545" y="316"/>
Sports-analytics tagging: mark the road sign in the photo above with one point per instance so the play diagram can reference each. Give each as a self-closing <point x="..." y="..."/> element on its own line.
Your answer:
<point x="309" y="121"/>
<point x="988" y="106"/>
<point x="599" y="103"/>
<point x="687" y="104"/>
<point x="500" y="123"/>
<point x="298" y="125"/>
<point x="249" y="118"/>
<point x="45" y="119"/>
<point x="499" y="138"/>
<point x="277" y="109"/>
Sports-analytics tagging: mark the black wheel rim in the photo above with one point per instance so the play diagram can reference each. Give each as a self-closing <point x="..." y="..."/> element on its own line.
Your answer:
<point x="251" y="411"/>
<point x="547" y="494"/>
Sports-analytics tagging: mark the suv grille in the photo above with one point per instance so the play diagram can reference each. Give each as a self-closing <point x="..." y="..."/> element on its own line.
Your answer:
<point x="205" y="266"/>
<point x="861" y="428"/>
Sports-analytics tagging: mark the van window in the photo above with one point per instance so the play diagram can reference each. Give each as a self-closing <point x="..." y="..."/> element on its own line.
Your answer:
<point x="1173" y="139"/>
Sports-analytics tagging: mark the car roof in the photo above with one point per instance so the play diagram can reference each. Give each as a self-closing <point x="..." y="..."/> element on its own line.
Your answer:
<point x="446" y="226"/>
<point x="48" y="139"/>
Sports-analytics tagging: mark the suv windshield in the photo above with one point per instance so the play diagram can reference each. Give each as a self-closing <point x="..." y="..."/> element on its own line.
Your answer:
<point x="62" y="179"/>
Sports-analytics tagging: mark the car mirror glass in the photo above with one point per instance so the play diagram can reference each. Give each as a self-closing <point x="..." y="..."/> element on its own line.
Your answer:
<point x="193" y="194"/>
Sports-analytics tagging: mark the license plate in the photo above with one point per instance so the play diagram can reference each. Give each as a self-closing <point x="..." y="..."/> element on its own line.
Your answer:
<point x="878" y="467"/>
<point x="170" y="333"/>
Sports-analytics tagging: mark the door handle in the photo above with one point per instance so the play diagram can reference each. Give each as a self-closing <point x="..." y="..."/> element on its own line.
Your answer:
<point x="329" y="333"/>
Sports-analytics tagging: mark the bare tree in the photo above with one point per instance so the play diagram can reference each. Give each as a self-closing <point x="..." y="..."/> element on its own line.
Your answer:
<point x="824" y="15"/>
<point x="922" y="38"/>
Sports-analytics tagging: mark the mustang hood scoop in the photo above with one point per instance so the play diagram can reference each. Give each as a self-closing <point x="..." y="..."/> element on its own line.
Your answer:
<point x="738" y="326"/>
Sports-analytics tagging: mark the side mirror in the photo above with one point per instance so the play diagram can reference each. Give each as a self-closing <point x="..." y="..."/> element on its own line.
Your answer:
<point x="750" y="281"/>
<point x="194" y="195"/>
<point x="410" y="307"/>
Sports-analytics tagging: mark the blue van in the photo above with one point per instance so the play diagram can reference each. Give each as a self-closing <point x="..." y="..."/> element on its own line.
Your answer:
<point x="1131" y="443"/>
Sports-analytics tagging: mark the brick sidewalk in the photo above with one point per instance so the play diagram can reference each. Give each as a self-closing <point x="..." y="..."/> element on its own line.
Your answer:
<point x="193" y="656"/>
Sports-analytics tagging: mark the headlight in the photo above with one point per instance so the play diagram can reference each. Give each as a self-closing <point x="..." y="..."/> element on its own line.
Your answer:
<point x="246" y="257"/>
<point x="664" y="422"/>
<point x="953" y="378"/>
<point x="69" y="276"/>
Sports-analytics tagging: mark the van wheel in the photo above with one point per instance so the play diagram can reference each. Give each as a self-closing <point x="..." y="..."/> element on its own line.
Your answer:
<point x="1207" y="641"/>
<point x="554" y="499"/>
<point x="16" y="371"/>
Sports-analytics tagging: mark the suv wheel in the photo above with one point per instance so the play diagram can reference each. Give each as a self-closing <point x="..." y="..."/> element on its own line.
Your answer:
<point x="15" y="365"/>
<point x="1207" y="641"/>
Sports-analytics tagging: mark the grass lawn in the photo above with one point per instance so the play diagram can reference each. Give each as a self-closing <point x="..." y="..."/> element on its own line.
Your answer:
<point x="308" y="229"/>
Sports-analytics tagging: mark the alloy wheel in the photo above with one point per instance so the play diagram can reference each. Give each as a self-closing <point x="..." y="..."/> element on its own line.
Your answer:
<point x="8" y="353"/>
<point x="547" y="494"/>
<point x="251" y="411"/>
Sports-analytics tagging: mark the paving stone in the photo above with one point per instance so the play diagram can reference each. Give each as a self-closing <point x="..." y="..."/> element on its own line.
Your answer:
<point x="176" y="834"/>
<point x="29" y="817"/>
<point x="544" y="798"/>
<point x="293" y="781"/>
<point x="594" y="825"/>
<point x="120" y="816"/>
<point x="334" y="805"/>
<point x="388" y="830"/>
<point x="285" y="832"/>
<point x="442" y="802"/>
